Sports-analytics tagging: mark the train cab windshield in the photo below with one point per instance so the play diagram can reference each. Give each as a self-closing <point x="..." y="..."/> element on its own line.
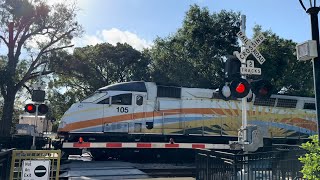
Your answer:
<point x="94" y="97"/>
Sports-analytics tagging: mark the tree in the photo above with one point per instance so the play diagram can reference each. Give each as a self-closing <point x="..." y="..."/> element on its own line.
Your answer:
<point x="311" y="160"/>
<point x="59" y="103"/>
<point x="287" y="74"/>
<point x="194" y="55"/>
<point x="31" y="27"/>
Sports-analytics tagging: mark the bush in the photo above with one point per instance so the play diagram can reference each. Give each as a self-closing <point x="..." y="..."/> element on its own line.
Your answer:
<point x="311" y="160"/>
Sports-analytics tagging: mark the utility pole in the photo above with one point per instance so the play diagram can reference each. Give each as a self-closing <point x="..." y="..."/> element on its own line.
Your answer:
<point x="316" y="61"/>
<point x="313" y="10"/>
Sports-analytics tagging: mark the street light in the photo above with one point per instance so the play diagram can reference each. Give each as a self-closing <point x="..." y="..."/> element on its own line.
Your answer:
<point x="313" y="10"/>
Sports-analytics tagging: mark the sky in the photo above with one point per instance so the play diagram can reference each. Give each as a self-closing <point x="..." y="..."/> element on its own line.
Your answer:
<point x="139" y="22"/>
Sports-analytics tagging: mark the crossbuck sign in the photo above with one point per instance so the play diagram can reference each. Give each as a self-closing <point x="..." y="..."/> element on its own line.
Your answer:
<point x="251" y="47"/>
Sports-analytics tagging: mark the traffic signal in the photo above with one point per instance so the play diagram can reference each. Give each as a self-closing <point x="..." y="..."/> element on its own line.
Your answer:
<point x="232" y="68"/>
<point x="240" y="88"/>
<point x="262" y="88"/>
<point x="32" y="108"/>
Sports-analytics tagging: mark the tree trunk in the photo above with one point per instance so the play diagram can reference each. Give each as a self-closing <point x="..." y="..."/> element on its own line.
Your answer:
<point x="7" y="114"/>
<point x="9" y="97"/>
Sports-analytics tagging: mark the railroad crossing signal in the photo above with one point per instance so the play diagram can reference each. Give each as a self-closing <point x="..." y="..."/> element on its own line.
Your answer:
<point x="240" y="88"/>
<point x="251" y="47"/>
<point x="32" y="108"/>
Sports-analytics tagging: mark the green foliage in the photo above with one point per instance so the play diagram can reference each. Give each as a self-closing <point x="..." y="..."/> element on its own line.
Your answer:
<point x="193" y="56"/>
<point x="59" y="103"/>
<point x="311" y="161"/>
<point x="282" y="68"/>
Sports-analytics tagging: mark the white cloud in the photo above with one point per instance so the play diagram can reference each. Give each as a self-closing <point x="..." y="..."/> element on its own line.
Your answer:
<point x="87" y="40"/>
<point x="113" y="36"/>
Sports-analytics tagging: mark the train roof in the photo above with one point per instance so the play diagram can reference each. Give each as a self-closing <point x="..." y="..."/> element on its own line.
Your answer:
<point x="138" y="86"/>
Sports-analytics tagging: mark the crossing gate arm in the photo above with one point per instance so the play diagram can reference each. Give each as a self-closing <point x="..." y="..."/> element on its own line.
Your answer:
<point x="144" y="145"/>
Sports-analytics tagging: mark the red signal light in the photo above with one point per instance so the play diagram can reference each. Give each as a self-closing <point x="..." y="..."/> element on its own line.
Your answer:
<point x="240" y="88"/>
<point x="30" y="108"/>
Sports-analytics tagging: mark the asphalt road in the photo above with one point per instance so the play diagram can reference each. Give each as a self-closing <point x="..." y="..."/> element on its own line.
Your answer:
<point x="82" y="167"/>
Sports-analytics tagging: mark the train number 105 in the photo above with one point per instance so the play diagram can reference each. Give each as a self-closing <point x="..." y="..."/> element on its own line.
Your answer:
<point x="123" y="109"/>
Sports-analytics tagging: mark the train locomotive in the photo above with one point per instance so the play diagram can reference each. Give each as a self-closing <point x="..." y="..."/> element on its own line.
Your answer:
<point x="130" y="117"/>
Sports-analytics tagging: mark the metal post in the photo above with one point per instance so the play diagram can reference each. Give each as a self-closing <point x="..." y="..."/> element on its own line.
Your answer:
<point x="244" y="105"/>
<point x="313" y="11"/>
<point x="47" y="120"/>
<point x="33" y="147"/>
<point x="244" y="100"/>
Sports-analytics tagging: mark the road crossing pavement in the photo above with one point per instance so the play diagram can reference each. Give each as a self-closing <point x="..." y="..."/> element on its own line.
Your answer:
<point x="83" y="168"/>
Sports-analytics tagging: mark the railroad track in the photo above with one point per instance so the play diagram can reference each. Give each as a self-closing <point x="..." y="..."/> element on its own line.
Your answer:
<point x="83" y="168"/>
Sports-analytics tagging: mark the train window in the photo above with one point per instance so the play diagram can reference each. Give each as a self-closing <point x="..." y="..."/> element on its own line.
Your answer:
<point x="122" y="99"/>
<point x="105" y="101"/>
<point x="139" y="100"/>
<point x="287" y="103"/>
<point x="165" y="91"/>
<point x="309" y="106"/>
<point x="94" y="97"/>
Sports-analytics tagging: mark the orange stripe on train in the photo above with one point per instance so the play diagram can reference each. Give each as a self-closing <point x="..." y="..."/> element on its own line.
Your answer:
<point x="125" y="117"/>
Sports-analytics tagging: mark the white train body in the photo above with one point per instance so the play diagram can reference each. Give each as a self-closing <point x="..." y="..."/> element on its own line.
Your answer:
<point x="145" y="107"/>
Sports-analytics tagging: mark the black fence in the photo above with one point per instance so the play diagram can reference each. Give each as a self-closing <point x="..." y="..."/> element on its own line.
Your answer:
<point x="272" y="165"/>
<point x="5" y="160"/>
<point x="21" y="142"/>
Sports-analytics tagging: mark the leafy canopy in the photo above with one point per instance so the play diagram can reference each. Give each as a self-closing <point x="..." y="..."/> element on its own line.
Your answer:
<point x="30" y="30"/>
<point x="194" y="55"/>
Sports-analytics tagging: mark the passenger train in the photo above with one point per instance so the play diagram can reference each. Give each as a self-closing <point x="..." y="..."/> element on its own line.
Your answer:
<point x="133" y="115"/>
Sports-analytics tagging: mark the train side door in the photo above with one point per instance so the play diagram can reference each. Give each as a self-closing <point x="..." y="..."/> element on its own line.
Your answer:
<point x="118" y="112"/>
<point x="139" y="112"/>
